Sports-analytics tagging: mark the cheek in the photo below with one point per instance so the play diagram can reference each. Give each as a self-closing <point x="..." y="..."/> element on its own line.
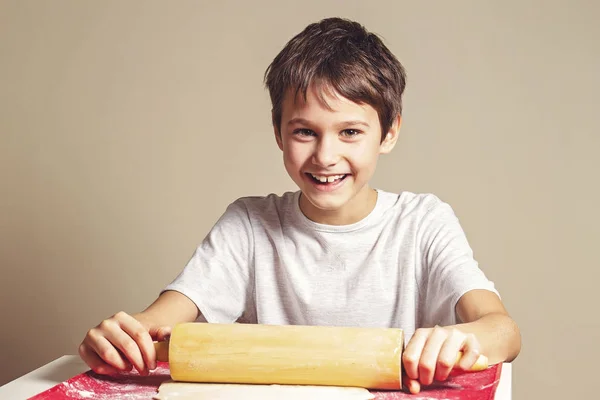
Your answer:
<point x="295" y="155"/>
<point x="364" y="158"/>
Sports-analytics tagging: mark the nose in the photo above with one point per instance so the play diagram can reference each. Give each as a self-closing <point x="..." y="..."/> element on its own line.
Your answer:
<point x="326" y="153"/>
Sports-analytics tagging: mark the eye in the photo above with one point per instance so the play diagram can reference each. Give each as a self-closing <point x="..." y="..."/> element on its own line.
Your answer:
<point x="304" y="132"/>
<point x="351" y="132"/>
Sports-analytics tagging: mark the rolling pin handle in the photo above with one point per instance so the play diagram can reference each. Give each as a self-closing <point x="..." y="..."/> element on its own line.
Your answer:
<point x="162" y="351"/>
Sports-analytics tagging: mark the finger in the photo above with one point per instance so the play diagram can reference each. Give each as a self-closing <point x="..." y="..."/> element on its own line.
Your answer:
<point x="128" y="365"/>
<point x="96" y="344"/>
<point x="161" y="334"/>
<point x="107" y="353"/>
<point x="95" y="363"/>
<point x="471" y="352"/>
<point x="412" y="353"/>
<point x="429" y="357"/>
<point x="412" y="385"/>
<point x="128" y="347"/>
<point x="142" y="338"/>
<point x="447" y="358"/>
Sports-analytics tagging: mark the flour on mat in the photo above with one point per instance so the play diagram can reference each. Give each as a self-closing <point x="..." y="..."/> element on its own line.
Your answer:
<point x="126" y="387"/>
<point x="201" y="391"/>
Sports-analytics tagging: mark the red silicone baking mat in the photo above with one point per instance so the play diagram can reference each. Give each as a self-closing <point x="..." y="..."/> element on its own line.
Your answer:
<point x="130" y="386"/>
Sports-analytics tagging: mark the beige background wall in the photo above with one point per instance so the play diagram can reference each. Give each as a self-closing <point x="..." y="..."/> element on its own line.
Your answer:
<point x="126" y="127"/>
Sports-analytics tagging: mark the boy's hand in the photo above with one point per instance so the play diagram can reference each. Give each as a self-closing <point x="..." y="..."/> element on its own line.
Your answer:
<point x="120" y="343"/>
<point x="432" y="353"/>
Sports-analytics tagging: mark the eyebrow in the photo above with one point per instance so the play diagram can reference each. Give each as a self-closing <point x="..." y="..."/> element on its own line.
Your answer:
<point x="343" y="123"/>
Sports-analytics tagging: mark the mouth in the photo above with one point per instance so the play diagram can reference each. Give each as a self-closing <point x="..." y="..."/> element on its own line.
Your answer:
<point x="326" y="180"/>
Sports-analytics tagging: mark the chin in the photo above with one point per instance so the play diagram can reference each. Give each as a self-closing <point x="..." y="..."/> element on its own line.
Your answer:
<point x="326" y="202"/>
<point x="327" y="205"/>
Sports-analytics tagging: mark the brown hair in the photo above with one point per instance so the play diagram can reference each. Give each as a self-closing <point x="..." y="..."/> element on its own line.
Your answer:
<point x="340" y="55"/>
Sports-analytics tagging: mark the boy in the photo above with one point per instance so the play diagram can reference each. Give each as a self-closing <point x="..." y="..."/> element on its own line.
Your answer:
<point x="337" y="252"/>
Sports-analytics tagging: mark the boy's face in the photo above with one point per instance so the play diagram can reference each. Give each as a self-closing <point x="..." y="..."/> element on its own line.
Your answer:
<point x="331" y="152"/>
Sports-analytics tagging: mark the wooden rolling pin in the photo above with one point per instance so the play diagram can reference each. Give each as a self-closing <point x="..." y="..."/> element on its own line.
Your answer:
<point x="286" y="355"/>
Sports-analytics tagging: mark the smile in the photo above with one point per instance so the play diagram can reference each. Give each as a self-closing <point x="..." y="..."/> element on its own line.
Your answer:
<point x="327" y="178"/>
<point x="326" y="183"/>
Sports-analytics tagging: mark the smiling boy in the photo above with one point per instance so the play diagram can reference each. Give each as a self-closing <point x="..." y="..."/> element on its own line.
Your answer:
<point x="337" y="251"/>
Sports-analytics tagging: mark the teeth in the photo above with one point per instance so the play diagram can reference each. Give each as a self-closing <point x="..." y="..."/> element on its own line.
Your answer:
<point x="326" y="179"/>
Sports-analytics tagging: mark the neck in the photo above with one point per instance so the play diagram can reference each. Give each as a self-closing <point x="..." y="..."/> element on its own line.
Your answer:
<point x="355" y="210"/>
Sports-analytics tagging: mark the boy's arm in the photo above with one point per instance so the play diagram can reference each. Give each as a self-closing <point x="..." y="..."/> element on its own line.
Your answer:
<point x="124" y="341"/>
<point x="169" y="309"/>
<point x="486" y="329"/>
<point x="484" y="316"/>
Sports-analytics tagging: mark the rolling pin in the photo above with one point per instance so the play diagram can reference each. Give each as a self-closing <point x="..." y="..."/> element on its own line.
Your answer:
<point x="286" y="355"/>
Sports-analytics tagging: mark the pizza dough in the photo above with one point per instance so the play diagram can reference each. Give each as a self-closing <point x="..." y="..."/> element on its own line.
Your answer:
<point x="200" y="391"/>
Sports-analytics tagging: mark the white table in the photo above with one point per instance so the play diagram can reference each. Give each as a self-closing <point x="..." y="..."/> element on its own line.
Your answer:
<point x="66" y="367"/>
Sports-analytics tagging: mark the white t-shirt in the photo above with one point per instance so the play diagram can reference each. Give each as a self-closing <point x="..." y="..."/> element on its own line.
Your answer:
<point x="405" y="265"/>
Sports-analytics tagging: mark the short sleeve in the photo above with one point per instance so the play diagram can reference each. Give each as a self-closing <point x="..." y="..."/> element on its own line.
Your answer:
<point x="218" y="276"/>
<point x="451" y="268"/>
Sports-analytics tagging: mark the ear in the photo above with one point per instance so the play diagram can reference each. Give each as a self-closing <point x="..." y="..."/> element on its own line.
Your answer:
<point x="278" y="137"/>
<point x="391" y="136"/>
<point x="277" y="133"/>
